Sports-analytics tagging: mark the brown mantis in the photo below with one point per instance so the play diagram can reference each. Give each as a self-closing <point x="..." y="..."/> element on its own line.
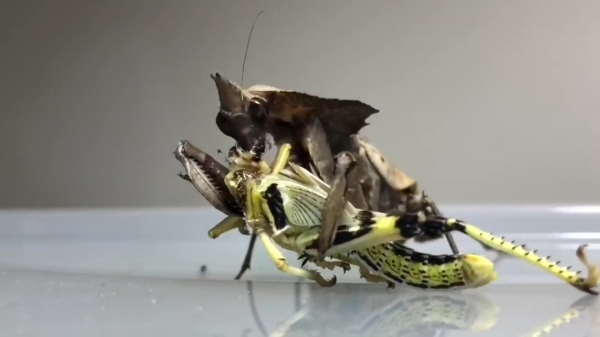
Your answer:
<point x="324" y="135"/>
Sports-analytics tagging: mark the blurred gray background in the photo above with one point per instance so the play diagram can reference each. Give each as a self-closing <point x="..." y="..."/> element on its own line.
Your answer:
<point x="482" y="102"/>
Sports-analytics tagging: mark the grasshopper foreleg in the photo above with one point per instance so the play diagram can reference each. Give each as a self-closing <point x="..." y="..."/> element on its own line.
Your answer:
<point x="282" y="265"/>
<point x="228" y="224"/>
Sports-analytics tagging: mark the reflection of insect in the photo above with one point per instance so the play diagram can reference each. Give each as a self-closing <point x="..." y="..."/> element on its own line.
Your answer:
<point x="284" y="206"/>
<point x="409" y="315"/>
<point x="575" y="310"/>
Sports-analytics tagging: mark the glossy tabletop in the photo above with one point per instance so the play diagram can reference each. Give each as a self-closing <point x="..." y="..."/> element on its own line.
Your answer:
<point x="59" y="304"/>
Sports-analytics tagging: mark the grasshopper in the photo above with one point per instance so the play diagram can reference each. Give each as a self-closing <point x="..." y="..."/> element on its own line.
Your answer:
<point x="362" y="239"/>
<point x="283" y="208"/>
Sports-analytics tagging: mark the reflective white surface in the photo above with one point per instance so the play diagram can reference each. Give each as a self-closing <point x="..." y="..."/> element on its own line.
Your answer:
<point x="46" y="304"/>
<point x="132" y="272"/>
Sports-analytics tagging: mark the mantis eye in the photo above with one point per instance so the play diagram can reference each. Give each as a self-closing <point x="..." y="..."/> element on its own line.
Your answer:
<point x="257" y="109"/>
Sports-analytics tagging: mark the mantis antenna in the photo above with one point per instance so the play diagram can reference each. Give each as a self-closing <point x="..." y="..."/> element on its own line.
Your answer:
<point x="248" y="45"/>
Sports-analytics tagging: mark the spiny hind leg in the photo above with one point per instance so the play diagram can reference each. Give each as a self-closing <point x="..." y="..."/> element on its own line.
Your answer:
<point x="499" y="243"/>
<point x="373" y="278"/>
<point x="282" y="265"/>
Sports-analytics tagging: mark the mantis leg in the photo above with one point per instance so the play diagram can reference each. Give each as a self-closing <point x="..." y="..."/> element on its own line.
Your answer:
<point x="282" y="265"/>
<point x="185" y="177"/>
<point x="314" y="141"/>
<point x="345" y="187"/>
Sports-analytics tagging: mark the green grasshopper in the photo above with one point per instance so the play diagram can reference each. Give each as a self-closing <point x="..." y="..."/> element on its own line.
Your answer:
<point x="352" y="246"/>
<point x="283" y="207"/>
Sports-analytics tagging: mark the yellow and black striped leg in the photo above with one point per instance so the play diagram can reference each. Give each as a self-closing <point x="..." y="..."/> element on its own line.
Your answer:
<point x="282" y="265"/>
<point x="499" y="243"/>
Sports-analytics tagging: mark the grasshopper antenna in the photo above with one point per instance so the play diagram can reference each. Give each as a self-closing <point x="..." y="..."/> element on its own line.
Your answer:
<point x="248" y="45"/>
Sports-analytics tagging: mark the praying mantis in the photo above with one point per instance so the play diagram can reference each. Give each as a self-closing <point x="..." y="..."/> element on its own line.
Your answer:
<point x="324" y="135"/>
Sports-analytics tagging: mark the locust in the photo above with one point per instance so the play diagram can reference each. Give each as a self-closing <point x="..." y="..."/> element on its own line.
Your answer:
<point x="363" y="239"/>
<point x="283" y="207"/>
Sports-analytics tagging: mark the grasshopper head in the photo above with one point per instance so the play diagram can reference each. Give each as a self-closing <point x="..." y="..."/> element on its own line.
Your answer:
<point x="236" y="182"/>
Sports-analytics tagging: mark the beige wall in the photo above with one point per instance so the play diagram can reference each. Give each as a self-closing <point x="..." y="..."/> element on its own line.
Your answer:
<point x="480" y="101"/>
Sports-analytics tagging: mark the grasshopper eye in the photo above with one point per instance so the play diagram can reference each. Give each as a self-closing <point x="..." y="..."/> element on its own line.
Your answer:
<point x="257" y="109"/>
